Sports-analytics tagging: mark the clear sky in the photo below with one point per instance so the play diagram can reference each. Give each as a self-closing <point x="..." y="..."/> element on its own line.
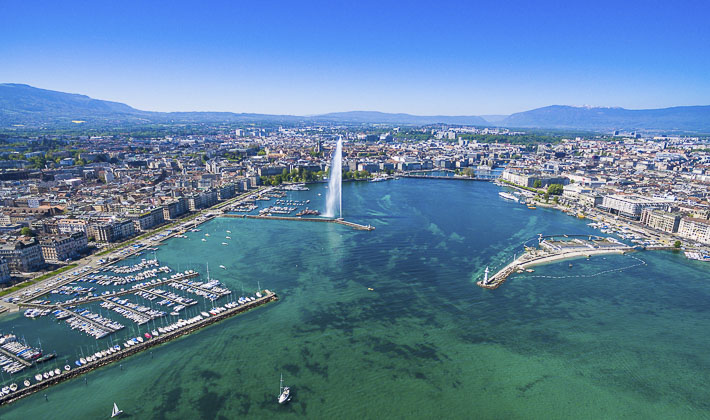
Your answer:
<point x="307" y="57"/>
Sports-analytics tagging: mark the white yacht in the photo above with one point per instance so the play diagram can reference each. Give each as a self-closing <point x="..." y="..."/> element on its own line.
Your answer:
<point x="508" y="196"/>
<point x="284" y="392"/>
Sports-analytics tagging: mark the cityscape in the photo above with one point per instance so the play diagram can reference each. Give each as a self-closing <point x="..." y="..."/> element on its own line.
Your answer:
<point x="445" y="255"/>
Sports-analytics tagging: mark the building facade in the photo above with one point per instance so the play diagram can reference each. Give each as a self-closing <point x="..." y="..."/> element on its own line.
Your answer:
<point x="697" y="230"/>
<point x="4" y="271"/>
<point x="631" y="206"/>
<point x="661" y="220"/>
<point x="22" y="256"/>
<point x="57" y="249"/>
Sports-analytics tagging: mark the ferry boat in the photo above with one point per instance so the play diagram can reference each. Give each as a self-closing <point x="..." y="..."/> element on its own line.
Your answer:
<point x="508" y="196"/>
<point x="284" y="392"/>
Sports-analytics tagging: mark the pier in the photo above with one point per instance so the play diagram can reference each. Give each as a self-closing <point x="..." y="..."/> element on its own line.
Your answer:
<point x="353" y="225"/>
<point x="15" y="358"/>
<point x="96" y="325"/>
<point x="173" y="300"/>
<point x="125" y="352"/>
<point x="550" y="252"/>
<point x="148" y="317"/>
<point x="204" y="290"/>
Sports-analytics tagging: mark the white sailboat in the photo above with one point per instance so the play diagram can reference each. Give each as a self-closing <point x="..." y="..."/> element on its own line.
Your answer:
<point x="116" y="412"/>
<point x="284" y="392"/>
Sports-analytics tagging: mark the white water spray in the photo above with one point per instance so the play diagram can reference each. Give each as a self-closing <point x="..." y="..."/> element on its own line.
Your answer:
<point x="334" y="198"/>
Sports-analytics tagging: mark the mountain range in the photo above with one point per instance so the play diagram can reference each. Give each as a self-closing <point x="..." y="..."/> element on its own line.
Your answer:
<point x="24" y="105"/>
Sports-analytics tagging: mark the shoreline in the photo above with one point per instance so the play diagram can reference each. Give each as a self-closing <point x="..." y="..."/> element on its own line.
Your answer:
<point x="9" y="308"/>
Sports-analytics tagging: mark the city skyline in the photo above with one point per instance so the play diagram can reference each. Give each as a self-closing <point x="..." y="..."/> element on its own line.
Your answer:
<point x="272" y="58"/>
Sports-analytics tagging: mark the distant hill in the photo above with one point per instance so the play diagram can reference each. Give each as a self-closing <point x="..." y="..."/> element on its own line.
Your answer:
<point x="385" y="118"/>
<point x="33" y="107"/>
<point x="681" y="118"/>
<point x="494" y="119"/>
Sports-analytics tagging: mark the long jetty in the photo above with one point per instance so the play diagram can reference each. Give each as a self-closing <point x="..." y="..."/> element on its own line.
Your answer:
<point x="125" y="352"/>
<point x="353" y="225"/>
<point x="527" y="260"/>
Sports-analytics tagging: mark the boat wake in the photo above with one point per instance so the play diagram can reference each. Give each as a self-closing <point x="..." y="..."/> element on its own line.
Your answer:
<point x="613" y="270"/>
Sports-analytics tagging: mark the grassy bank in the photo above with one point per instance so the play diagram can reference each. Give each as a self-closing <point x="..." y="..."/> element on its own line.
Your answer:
<point x="36" y="279"/>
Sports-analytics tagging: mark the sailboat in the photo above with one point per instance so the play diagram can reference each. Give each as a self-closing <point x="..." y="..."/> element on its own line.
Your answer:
<point x="116" y="412"/>
<point x="284" y="392"/>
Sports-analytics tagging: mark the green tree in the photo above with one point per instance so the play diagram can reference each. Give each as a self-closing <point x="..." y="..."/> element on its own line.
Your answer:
<point x="676" y="244"/>
<point x="555" y="189"/>
<point x="537" y="183"/>
<point x="27" y="231"/>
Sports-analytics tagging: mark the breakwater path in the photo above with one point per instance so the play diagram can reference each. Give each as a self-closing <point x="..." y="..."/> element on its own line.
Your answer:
<point x="353" y="225"/>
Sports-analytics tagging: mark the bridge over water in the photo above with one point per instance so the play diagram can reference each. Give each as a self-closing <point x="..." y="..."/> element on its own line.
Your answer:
<point x="430" y="174"/>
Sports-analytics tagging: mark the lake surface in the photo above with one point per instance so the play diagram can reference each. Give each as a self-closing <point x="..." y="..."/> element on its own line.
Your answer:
<point x="609" y="337"/>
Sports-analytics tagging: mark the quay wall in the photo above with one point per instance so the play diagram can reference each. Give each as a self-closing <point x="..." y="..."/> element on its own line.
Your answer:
<point x="353" y="225"/>
<point x="125" y="352"/>
<point x="521" y="263"/>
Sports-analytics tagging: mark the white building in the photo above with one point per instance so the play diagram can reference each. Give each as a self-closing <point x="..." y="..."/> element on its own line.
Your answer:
<point x="697" y="230"/>
<point x="632" y="205"/>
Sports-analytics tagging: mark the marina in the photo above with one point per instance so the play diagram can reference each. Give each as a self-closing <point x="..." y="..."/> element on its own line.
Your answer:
<point x="172" y="331"/>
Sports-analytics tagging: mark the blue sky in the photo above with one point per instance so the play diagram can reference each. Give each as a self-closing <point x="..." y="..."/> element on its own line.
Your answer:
<point x="308" y="57"/>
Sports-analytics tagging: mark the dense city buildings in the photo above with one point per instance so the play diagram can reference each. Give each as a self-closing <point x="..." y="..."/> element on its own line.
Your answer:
<point x="77" y="194"/>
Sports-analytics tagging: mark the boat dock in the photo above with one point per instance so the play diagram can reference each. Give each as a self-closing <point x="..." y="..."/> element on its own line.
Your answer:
<point x="97" y="325"/>
<point x="203" y="289"/>
<point x="139" y="347"/>
<point x="129" y="309"/>
<point x="15" y="358"/>
<point x="353" y="225"/>
<point x="173" y="300"/>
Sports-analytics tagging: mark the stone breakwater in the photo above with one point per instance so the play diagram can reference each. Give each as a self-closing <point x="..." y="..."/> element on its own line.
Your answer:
<point x="126" y="352"/>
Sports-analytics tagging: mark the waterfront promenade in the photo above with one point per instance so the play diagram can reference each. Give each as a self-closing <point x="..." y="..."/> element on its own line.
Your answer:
<point x="353" y="225"/>
<point x="535" y="257"/>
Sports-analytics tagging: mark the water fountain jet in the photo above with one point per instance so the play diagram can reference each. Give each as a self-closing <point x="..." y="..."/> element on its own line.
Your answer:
<point x="334" y="197"/>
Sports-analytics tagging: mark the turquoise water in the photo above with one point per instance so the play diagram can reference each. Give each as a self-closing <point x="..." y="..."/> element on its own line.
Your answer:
<point x="562" y="342"/>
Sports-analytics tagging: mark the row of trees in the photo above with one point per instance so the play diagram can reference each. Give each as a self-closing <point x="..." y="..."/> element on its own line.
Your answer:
<point x="296" y="175"/>
<point x="304" y="175"/>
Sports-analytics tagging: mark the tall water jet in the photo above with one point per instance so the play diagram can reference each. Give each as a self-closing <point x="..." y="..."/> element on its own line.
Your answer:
<point x="334" y="197"/>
